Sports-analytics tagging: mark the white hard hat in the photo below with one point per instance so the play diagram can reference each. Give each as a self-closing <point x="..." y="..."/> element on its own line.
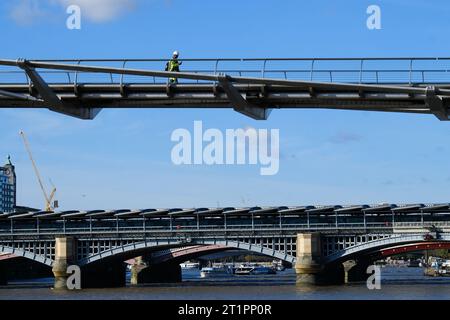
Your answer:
<point x="176" y="53"/>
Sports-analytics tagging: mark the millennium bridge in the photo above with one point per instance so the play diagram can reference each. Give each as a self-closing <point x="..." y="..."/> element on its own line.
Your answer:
<point x="253" y="87"/>
<point x="325" y="244"/>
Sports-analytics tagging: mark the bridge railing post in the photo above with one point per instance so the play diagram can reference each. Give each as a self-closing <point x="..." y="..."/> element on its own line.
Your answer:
<point x="393" y="218"/>
<point x="263" y="73"/>
<point x="336" y="219"/>
<point x="307" y="219"/>
<point x="361" y="71"/>
<point x="281" y="223"/>
<point x="30" y="84"/>
<point x="75" y="80"/>
<point x="215" y="71"/>
<point x="312" y="70"/>
<point x="122" y="86"/>
<point x="410" y="71"/>
<point x="365" y="219"/>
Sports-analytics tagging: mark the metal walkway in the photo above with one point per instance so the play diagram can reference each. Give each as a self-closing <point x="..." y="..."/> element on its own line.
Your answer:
<point x="81" y="88"/>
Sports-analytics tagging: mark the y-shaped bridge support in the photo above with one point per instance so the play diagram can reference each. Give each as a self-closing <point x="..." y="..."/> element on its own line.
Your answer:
<point x="436" y="104"/>
<point x="240" y="104"/>
<point x="52" y="100"/>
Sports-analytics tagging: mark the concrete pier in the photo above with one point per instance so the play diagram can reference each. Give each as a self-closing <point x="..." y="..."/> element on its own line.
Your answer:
<point x="356" y="270"/>
<point x="136" y="268"/>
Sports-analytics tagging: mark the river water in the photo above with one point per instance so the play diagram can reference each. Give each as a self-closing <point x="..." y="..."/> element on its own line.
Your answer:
<point x="396" y="283"/>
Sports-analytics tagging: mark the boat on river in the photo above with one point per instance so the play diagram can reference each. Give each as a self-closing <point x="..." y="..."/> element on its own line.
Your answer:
<point x="254" y="270"/>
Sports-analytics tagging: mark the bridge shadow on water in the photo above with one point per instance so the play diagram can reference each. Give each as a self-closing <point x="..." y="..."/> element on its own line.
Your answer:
<point x="398" y="277"/>
<point x="191" y="278"/>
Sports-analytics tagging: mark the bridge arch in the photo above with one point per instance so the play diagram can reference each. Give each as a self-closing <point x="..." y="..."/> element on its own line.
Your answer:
<point x="27" y="254"/>
<point x="129" y="251"/>
<point x="233" y="244"/>
<point x="376" y="246"/>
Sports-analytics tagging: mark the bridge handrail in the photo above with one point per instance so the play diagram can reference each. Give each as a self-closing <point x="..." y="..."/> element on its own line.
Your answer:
<point x="193" y="228"/>
<point x="359" y="72"/>
<point x="250" y="59"/>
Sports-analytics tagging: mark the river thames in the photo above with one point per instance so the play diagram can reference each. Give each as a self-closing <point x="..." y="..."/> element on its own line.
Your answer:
<point x="396" y="283"/>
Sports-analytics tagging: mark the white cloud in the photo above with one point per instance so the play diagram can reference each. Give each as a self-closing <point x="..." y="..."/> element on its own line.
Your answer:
<point x="25" y="12"/>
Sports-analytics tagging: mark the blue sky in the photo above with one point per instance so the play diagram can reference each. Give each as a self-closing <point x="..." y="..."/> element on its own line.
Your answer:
<point x="122" y="158"/>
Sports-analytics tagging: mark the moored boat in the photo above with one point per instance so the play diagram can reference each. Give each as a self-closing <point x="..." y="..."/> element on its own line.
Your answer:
<point x="242" y="270"/>
<point x="254" y="270"/>
<point x="189" y="265"/>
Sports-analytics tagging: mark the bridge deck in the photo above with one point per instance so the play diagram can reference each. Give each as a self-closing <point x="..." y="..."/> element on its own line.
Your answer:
<point x="384" y="218"/>
<point x="250" y="86"/>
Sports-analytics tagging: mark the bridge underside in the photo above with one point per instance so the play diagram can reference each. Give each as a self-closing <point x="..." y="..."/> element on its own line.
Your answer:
<point x="97" y="96"/>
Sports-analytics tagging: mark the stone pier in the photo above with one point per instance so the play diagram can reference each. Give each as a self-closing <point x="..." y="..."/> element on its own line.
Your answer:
<point x="356" y="270"/>
<point x="65" y="255"/>
<point x="309" y="267"/>
<point x="309" y="255"/>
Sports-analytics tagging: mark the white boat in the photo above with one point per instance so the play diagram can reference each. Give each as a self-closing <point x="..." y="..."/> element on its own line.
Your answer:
<point x="189" y="265"/>
<point x="254" y="270"/>
<point x="278" y="265"/>
<point x="242" y="270"/>
<point x="214" y="272"/>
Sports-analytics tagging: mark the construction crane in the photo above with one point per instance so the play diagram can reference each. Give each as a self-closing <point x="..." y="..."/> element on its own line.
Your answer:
<point x="48" y="199"/>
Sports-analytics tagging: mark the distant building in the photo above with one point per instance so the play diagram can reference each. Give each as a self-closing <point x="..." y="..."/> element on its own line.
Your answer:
<point x="7" y="187"/>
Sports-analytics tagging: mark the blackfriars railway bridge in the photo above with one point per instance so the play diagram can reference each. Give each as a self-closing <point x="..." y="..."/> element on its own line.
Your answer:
<point x="325" y="244"/>
<point x="253" y="87"/>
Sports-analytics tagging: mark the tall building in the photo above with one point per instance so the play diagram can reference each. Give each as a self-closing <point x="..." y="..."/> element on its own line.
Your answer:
<point x="7" y="187"/>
